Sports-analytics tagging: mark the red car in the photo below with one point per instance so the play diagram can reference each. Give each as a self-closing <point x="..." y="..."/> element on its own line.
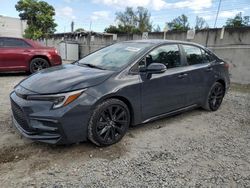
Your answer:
<point x="18" y="54"/>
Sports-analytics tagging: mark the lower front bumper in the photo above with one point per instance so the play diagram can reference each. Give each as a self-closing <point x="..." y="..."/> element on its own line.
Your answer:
<point x="51" y="138"/>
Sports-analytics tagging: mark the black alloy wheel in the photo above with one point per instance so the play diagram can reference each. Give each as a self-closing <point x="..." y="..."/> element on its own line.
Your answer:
<point x="109" y="122"/>
<point x="38" y="64"/>
<point x="215" y="97"/>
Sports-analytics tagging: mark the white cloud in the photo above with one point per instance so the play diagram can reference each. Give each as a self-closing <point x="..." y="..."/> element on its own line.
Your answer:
<point x="207" y="17"/>
<point x="154" y="4"/>
<point x="158" y="4"/>
<point x="222" y="14"/>
<point x="123" y="3"/>
<point x="70" y="1"/>
<point x="195" y="5"/>
<point x="229" y="14"/>
<point x="65" y="12"/>
<point x="97" y="15"/>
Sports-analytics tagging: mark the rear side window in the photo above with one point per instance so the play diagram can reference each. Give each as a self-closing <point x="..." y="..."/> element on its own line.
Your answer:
<point x="8" y="42"/>
<point x="207" y="58"/>
<point x="193" y="54"/>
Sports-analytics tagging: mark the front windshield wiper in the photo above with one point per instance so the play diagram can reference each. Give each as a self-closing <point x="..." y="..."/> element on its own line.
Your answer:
<point x="91" y="66"/>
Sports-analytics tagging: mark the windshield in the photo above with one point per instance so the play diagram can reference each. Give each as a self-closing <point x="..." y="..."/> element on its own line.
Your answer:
<point x="115" y="56"/>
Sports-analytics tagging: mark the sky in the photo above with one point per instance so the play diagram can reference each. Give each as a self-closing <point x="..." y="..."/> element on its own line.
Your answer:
<point x="98" y="14"/>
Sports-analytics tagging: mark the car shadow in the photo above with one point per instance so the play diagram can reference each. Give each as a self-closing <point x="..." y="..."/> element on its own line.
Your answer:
<point x="11" y="74"/>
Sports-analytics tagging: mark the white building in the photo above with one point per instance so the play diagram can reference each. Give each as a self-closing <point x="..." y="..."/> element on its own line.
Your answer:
<point x="12" y="27"/>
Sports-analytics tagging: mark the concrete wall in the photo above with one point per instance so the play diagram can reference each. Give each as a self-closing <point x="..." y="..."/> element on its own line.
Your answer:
<point x="233" y="46"/>
<point x="12" y="27"/>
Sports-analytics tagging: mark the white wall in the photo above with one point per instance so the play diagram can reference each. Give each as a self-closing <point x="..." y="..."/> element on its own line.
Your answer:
<point x="12" y="27"/>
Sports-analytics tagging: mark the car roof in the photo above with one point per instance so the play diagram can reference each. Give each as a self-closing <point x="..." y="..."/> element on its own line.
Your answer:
<point x="162" y="41"/>
<point x="29" y="41"/>
<point x="3" y="37"/>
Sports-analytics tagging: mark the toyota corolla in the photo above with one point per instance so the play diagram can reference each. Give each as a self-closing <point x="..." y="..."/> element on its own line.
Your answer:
<point x="98" y="97"/>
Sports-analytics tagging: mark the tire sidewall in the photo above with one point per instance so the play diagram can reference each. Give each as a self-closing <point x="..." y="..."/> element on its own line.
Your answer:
<point x="92" y="135"/>
<point x="36" y="59"/>
<point x="207" y="105"/>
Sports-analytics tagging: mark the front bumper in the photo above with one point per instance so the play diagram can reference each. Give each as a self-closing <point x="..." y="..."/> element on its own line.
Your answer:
<point x="36" y="120"/>
<point x="55" y="60"/>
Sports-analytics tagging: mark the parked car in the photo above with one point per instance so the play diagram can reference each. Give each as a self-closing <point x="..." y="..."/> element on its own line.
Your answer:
<point x="18" y="54"/>
<point x="125" y="84"/>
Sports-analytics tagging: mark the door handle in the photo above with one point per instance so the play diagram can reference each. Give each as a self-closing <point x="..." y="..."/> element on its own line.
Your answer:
<point x="209" y="69"/>
<point x="183" y="75"/>
<point x="26" y="51"/>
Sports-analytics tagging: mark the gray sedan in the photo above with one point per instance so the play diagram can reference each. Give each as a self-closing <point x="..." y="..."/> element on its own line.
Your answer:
<point x="98" y="97"/>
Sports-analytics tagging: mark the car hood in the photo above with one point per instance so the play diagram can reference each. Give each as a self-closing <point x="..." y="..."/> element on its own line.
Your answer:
<point x="64" y="78"/>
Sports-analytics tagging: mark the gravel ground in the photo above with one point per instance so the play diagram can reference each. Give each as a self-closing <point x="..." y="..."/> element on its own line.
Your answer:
<point x="193" y="149"/>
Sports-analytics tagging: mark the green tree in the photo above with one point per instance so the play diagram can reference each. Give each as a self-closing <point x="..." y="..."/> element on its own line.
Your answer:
<point x="200" y="23"/>
<point x="238" y="21"/>
<point x="127" y="18"/>
<point x="143" y="20"/>
<point x="180" y="23"/>
<point x="39" y="16"/>
<point x="114" y="29"/>
<point x="79" y="30"/>
<point x="131" y="21"/>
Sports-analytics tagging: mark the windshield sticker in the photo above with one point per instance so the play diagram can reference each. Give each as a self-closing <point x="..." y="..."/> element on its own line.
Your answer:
<point x="132" y="49"/>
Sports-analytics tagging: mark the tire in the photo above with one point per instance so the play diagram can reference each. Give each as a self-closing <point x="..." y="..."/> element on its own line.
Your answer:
<point x="215" y="97"/>
<point x="109" y="122"/>
<point x="38" y="64"/>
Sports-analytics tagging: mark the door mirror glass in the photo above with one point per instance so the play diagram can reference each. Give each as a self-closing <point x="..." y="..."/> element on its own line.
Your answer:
<point x="156" y="68"/>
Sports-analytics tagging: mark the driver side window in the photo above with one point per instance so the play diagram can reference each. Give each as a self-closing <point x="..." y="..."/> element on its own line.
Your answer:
<point x="169" y="55"/>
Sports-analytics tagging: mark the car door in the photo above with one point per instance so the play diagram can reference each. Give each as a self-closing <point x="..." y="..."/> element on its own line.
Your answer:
<point x="165" y="92"/>
<point x="14" y="54"/>
<point x="199" y="70"/>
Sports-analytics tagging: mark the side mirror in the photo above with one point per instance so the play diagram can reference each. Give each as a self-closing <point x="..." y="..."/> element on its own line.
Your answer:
<point x="156" y="68"/>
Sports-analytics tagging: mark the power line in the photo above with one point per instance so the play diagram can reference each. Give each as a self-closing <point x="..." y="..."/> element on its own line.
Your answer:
<point x="217" y="14"/>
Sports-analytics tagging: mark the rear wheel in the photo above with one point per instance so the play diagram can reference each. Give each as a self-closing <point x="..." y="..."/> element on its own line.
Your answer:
<point x="38" y="64"/>
<point x="215" y="97"/>
<point x="109" y="122"/>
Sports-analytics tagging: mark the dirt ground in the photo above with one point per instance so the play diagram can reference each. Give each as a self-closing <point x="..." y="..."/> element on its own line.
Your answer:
<point x="193" y="149"/>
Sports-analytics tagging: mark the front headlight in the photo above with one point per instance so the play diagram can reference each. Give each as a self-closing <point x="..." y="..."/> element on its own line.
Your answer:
<point x="59" y="100"/>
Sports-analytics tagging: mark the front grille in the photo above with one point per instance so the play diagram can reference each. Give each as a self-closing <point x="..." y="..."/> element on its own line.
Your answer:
<point x="20" y="117"/>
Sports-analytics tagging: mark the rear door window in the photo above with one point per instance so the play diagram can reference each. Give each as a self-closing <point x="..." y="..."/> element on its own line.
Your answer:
<point x="207" y="58"/>
<point x="193" y="54"/>
<point x="9" y="42"/>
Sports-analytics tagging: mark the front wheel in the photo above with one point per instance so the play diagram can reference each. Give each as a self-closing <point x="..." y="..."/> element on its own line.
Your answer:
<point x="109" y="122"/>
<point x="215" y="97"/>
<point x="38" y="64"/>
